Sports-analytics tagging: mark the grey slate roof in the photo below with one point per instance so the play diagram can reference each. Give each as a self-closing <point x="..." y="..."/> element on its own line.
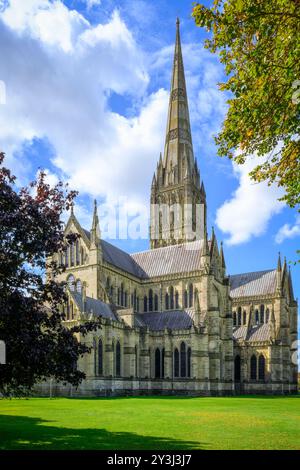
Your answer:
<point x="88" y="234"/>
<point x="121" y="259"/>
<point x="252" y="284"/>
<point x="171" y="319"/>
<point x="176" y="259"/>
<point x="255" y="333"/>
<point x="170" y="259"/>
<point x="157" y="262"/>
<point x="96" y="306"/>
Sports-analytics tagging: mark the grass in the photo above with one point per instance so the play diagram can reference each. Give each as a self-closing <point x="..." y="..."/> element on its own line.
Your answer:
<point x="155" y="423"/>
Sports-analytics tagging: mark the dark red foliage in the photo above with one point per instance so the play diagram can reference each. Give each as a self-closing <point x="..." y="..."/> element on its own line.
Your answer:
<point x="38" y="344"/>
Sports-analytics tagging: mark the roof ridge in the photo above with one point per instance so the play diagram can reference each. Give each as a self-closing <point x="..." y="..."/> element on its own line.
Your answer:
<point x="252" y="272"/>
<point x="114" y="246"/>
<point x="152" y="250"/>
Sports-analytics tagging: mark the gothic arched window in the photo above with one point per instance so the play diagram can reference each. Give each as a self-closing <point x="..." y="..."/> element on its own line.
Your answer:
<point x="256" y="317"/>
<point x="160" y="224"/>
<point x="234" y="318"/>
<point x="119" y="296"/>
<point x="150" y="300"/>
<point x="261" y="367"/>
<point x="72" y="253"/>
<point x="191" y="295"/>
<point x="113" y="357"/>
<point x="176" y="299"/>
<point x="118" y="359"/>
<point x="167" y="301"/>
<point x="100" y="357"/>
<point x="68" y="310"/>
<point x="71" y="282"/>
<point x="163" y="363"/>
<point x="78" y="286"/>
<point x="136" y="361"/>
<point x="172" y="298"/>
<point x="172" y="218"/>
<point x="67" y="257"/>
<point x="185" y="299"/>
<point x="156" y="303"/>
<point x="77" y="252"/>
<point x="237" y="368"/>
<point x="253" y="368"/>
<point x="262" y="314"/>
<point x="189" y="355"/>
<point x="239" y="316"/>
<point x="182" y="360"/>
<point x="145" y="303"/>
<point x="122" y="294"/>
<point x="194" y="217"/>
<point x="176" y="362"/>
<point x="157" y="363"/>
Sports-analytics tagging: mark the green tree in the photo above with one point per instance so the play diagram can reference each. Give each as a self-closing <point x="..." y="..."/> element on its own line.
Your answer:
<point x="31" y="323"/>
<point x="258" y="41"/>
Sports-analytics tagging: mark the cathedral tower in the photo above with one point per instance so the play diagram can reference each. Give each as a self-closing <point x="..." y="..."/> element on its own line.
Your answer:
<point x="178" y="200"/>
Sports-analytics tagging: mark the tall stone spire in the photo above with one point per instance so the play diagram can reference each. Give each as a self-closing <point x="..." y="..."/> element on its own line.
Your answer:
<point x="178" y="143"/>
<point x="177" y="180"/>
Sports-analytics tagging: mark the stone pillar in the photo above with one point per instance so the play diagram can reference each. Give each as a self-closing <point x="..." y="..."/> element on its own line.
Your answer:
<point x="145" y="356"/>
<point x="109" y="355"/>
<point x="168" y="364"/>
<point x="129" y="361"/>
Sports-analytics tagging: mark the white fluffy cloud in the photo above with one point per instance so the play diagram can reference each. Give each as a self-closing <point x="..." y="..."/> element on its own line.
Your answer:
<point x="60" y="72"/>
<point x="59" y="79"/>
<point x="288" y="231"/>
<point x="250" y="208"/>
<point x="50" y="22"/>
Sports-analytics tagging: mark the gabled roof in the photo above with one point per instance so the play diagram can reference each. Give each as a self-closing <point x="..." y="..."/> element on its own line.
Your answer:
<point x="119" y="258"/>
<point x="255" y="333"/>
<point x="171" y="259"/>
<point x="170" y="319"/>
<point x="95" y="306"/>
<point x="185" y="257"/>
<point x="253" y="284"/>
<point x="84" y="233"/>
<point x="122" y="260"/>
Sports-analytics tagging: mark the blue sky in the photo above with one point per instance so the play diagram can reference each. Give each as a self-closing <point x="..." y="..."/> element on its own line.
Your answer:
<point x="87" y="86"/>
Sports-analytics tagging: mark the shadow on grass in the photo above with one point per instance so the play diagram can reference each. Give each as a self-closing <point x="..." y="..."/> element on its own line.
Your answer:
<point x="18" y="432"/>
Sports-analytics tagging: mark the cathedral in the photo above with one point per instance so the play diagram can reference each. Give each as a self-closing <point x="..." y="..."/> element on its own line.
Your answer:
<point x="172" y="320"/>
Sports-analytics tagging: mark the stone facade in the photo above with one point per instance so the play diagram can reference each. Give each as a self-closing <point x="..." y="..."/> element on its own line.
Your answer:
<point x="172" y="320"/>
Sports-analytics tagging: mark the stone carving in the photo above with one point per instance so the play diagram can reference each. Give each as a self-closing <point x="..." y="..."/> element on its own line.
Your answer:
<point x="177" y="93"/>
<point x="182" y="134"/>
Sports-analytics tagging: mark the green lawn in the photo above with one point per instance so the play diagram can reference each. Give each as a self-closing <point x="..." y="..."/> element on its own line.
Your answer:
<point x="153" y="423"/>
